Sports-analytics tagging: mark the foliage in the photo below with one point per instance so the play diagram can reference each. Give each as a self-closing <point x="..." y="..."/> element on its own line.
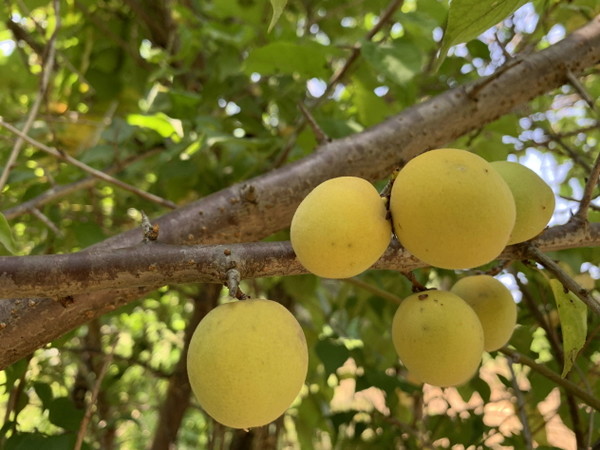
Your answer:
<point x="183" y="98"/>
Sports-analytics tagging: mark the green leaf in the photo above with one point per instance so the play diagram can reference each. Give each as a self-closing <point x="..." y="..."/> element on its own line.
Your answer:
<point x="573" y="320"/>
<point x="308" y="60"/>
<point x="398" y="61"/>
<point x="6" y="238"/>
<point x="371" y="108"/>
<point x="467" y="19"/>
<point x="491" y="148"/>
<point x="44" y="392"/>
<point x="87" y="233"/>
<point x="161" y="123"/>
<point x="278" y="6"/>
<point x="64" y="414"/>
<point x="332" y="354"/>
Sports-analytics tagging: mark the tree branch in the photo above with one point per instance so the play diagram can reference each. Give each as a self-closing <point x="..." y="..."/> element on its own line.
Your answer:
<point x="256" y="208"/>
<point x="567" y="385"/>
<point x="94" y="172"/>
<point x="57" y="192"/>
<point x="588" y="192"/>
<point x="47" y="69"/>
<point x="153" y="263"/>
<point x="567" y="281"/>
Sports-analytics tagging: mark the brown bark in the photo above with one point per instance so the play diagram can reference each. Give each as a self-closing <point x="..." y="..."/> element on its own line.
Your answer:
<point x="154" y="264"/>
<point x="256" y="208"/>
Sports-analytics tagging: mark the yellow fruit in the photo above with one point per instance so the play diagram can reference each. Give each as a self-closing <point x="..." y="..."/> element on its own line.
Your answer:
<point x="340" y="228"/>
<point x="438" y="337"/>
<point x="534" y="199"/>
<point x="247" y="362"/>
<point x="451" y="209"/>
<point x="494" y="305"/>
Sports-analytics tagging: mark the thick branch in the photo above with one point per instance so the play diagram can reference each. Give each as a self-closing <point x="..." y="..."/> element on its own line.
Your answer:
<point x="256" y="208"/>
<point x="153" y="263"/>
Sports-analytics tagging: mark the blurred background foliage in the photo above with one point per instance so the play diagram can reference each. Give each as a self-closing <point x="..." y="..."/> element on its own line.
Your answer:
<point x="182" y="98"/>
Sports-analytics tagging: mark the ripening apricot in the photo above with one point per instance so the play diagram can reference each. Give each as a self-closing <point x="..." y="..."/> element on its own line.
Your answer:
<point x="534" y="199"/>
<point x="451" y="209"/>
<point x="494" y="305"/>
<point x="438" y="337"/>
<point x="247" y="362"/>
<point x="340" y="228"/>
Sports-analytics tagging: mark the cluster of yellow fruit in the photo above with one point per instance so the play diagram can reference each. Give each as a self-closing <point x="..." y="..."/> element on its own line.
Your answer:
<point x="440" y="336"/>
<point x="450" y="208"/>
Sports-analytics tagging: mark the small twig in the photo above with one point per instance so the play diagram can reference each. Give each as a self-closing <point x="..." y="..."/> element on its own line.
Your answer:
<point x="320" y="135"/>
<point x="46" y="221"/>
<point x="569" y="151"/>
<point x="42" y="91"/>
<point x="57" y="192"/>
<point x="502" y="264"/>
<point x="301" y="122"/>
<point x="14" y="397"/>
<point x="569" y="386"/>
<point x="572" y="199"/>
<point x="505" y="52"/>
<point x="520" y="405"/>
<point x="96" y="173"/>
<point x="474" y="90"/>
<point x="588" y="191"/>
<point x="589" y="389"/>
<point x="150" y="231"/>
<point x="416" y="285"/>
<point x="581" y="90"/>
<point x="567" y="281"/>
<point x="386" y="15"/>
<point x="95" y="391"/>
<point x="373" y="289"/>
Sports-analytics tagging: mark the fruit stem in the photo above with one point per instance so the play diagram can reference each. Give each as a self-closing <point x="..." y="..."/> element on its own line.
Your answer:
<point x="416" y="285"/>
<point x="233" y="284"/>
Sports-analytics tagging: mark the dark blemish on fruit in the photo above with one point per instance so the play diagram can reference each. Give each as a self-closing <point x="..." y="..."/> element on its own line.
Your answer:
<point x="423" y="296"/>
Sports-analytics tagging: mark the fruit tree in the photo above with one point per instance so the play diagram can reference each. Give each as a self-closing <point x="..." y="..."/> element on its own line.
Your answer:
<point x="412" y="184"/>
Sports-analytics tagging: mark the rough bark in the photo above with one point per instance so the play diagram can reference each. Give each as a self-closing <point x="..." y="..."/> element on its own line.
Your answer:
<point x="256" y="208"/>
<point x="154" y="263"/>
